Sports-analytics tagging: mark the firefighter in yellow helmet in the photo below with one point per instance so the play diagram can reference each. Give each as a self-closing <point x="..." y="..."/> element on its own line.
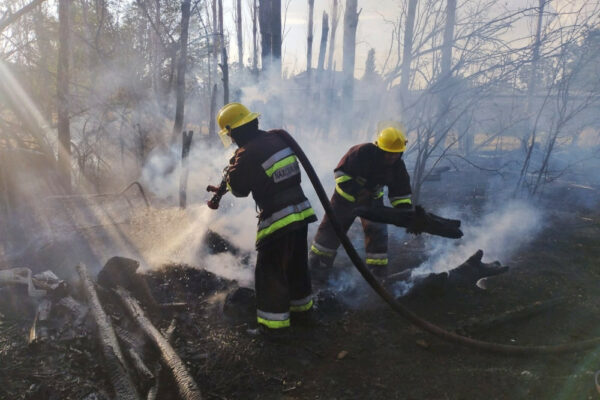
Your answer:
<point x="360" y="177"/>
<point x="265" y="166"/>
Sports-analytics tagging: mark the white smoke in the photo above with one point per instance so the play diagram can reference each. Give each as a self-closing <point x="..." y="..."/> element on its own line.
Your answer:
<point x="500" y="233"/>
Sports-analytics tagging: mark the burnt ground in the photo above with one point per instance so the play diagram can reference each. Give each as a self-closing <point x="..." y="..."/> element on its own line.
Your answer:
<point x="362" y="349"/>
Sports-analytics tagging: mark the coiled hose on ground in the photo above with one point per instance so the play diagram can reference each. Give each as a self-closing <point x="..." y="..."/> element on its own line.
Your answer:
<point x="401" y="309"/>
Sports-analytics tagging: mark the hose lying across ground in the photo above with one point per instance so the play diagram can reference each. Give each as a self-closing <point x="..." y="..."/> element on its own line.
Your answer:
<point x="402" y="310"/>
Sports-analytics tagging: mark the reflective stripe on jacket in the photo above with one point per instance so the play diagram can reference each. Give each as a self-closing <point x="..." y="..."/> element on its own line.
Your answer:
<point x="266" y="167"/>
<point x="362" y="174"/>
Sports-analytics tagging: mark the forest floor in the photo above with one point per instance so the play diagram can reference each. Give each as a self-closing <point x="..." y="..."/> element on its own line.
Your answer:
<point x="362" y="350"/>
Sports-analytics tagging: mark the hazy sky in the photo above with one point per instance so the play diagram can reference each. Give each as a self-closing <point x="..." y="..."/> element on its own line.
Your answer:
<point x="373" y="30"/>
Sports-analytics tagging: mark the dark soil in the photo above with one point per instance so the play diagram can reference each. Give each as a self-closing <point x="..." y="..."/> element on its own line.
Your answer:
<point x="362" y="349"/>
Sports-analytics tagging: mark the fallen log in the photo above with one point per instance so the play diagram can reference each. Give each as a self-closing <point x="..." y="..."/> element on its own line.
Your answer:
<point x="122" y="271"/>
<point x="114" y="361"/>
<point x="466" y="274"/>
<point x="187" y="387"/>
<point x="39" y="331"/>
<point x="158" y="371"/>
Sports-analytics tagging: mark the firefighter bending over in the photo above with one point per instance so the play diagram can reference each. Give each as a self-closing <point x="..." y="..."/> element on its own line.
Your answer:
<point x="360" y="177"/>
<point x="266" y="167"/>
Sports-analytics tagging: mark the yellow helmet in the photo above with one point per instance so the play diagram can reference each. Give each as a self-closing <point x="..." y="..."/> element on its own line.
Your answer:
<point x="231" y="116"/>
<point x="391" y="139"/>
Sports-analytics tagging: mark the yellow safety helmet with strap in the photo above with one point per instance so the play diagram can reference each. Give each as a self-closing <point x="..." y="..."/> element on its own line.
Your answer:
<point x="231" y="116"/>
<point x="391" y="139"/>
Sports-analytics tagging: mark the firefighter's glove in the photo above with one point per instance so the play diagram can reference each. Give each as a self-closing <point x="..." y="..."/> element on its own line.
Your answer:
<point x="419" y="221"/>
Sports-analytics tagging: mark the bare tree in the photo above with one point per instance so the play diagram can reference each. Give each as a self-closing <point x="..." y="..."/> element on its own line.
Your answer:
<point x="238" y="24"/>
<point x="323" y="45"/>
<point x="334" y="24"/>
<point x="266" y="34"/>
<point x="254" y="36"/>
<point x="10" y="19"/>
<point x="350" y="24"/>
<point x="309" y="37"/>
<point x="62" y="88"/>
<point x="407" y="47"/>
<point x="181" y="67"/>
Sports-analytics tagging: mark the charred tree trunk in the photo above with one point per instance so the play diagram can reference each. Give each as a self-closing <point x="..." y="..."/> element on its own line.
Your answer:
<point x="186" y="144"/>
<point x="407" y="48"/>
<point x="179" y="107"/>
<point x="334" y="23"/>
<point x="213" y="112"/>
<point x="238" y="24"/>
<point x="224" y="62"/>
<point x="156" y="54"/>
<point x="216" y="40"/>
<point x="186" y="386"/>
<point x="350" y="24"/>
<point x="266" y="37"/>
<point x="276" y="35"/>
<point x="530" y="136"/>
<point x="323" y="46"/>
<point x="62" y="92"/>
<point x="115" y="362"/>
<point x="254" y="36"/>
<point x="309" y="37"/>
<point x="448" y="39"/>
<point x="445" y="79"/>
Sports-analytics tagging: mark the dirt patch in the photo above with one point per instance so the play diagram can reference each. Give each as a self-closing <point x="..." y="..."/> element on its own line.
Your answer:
<point x="360" y="350"/>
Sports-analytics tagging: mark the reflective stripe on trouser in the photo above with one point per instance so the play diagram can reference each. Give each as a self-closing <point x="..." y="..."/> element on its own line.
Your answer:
<point x="400" y="200"/>
<point x="377" y="259"/>
<point x="323" y="251"/>
<point x="300" y="305"/>
<point x="273" y="320"/>
<point x="375" y="233"/>
<point x="281" y="275"/>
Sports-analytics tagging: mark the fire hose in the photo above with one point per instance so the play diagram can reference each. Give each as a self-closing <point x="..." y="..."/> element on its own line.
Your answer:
<point x="390" y="299"/>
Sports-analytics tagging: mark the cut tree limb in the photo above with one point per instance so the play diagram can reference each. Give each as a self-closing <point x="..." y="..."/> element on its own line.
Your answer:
<point x="115" y="362"/>
<point x="187" y="387"/>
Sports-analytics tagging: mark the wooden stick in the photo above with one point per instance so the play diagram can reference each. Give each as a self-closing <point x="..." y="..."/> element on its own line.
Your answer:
<point x="115" y="362"/>
<point x="187" y="387"/>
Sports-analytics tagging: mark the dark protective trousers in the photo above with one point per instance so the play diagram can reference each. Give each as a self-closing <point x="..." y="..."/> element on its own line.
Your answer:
<point x="282" y="279"/>
<point x="326" y="242"/>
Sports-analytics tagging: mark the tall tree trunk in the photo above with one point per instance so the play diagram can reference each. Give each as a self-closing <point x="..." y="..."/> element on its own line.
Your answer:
<point x="309" y="36"/>
<point x="216" y="40"/>
<point x="156" y="53"/>
<point x="238" y="24"/>
<point x="183" y="39"/>
<point x="276" y="35"/>
<point x="448" y="39"/>
<point x="530" y="135"/>
<point x="224" y="62"/>
<point x="213" y="112"/>
<point x="349" y="49"/>
<point x="445" y="91"/>
<point x="407" y="47"/>
<point x="535" y="57"/>
<point x="254" y="36"/>
<point x="62" y="89"/>
<point x="323" y="46"/>
<point x="266" y="40"/>
<point x="334" y="24"/>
